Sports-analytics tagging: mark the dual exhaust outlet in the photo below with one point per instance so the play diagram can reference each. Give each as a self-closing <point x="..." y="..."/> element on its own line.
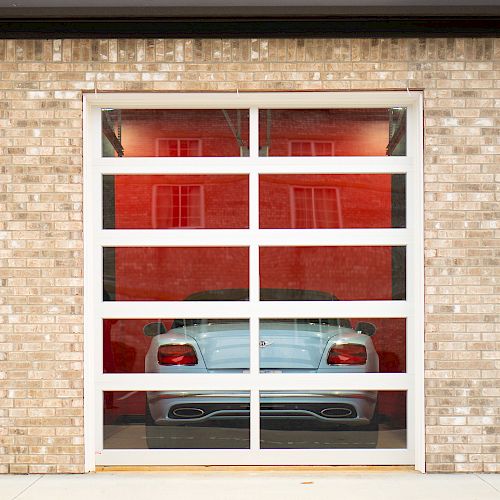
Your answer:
<point x="187" y="412"/>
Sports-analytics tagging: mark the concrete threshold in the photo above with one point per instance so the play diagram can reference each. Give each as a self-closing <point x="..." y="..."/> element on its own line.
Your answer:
<point x="341" y="469"/>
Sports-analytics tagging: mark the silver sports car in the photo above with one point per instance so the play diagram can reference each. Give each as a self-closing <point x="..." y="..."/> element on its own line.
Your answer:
<point x="286" y="346"/>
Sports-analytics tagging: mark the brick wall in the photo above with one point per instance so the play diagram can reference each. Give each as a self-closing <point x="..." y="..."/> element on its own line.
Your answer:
<point x="41" y="85"/>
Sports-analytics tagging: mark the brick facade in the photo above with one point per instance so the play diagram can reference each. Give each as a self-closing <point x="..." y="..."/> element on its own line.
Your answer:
<point x="41" y="334"/>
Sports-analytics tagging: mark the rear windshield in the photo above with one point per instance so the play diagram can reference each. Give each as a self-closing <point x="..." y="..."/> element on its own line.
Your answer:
<point x="265" y="294"/>
<point x="179" y="323"/>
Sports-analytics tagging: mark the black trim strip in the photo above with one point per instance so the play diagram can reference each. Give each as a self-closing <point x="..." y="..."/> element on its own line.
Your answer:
<point x="398" y="273"/>
<point x="108" y="202"/>
<point x="398" y="200"/>
<point x="109" y="274"/>
<point x="327" y="27"/>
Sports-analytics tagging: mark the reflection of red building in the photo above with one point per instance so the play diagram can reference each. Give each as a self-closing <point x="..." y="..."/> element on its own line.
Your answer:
<point x="283" y="132"/>
<point x="325" y="132"/>
<point x="221" y="202"/>
<point x="178" y="201"/>
<point x="325" y="201"/>
<point x="185" y="132"/>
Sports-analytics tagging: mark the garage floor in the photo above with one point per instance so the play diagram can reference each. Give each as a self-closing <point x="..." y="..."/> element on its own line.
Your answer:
<point x="249" y="485"/>
<point x="134" y="437"/>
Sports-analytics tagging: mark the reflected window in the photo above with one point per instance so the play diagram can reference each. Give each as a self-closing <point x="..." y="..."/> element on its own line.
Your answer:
<point x="311" y="148"/>
<point x="178" y="206"/>
<point x="178" y="147"/>
<point x="315" y="207"/>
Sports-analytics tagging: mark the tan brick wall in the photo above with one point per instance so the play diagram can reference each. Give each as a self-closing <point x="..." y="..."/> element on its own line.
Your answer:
<point x="41" y="84"/>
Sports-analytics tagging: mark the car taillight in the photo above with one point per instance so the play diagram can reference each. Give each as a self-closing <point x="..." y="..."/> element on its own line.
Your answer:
<point x="347" y="354"/>
<point x="177" y="354"/>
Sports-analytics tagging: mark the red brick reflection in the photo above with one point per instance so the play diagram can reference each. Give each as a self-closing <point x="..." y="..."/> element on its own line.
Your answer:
<point x="326" y="201"/>
<point x="175" y="132"/>
<point x="179" y="202"/>
<point x="349" y="273"/>
<point x="324" y="132"/>
<point x="174" y="273"/>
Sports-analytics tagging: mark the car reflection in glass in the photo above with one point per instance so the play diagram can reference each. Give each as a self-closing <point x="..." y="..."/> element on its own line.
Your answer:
<point x="286" y="346"/>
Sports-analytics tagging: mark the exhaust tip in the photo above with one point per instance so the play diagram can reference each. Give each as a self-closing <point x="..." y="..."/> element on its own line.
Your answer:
<point x="187" y="412"/>
<point x="338" y="412"/>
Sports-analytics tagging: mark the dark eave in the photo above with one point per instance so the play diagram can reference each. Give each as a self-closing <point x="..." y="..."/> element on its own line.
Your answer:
<point x="239" y="22"/>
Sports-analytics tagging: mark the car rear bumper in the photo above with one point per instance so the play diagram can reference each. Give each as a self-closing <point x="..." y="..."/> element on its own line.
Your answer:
<point x="347" y="407"/>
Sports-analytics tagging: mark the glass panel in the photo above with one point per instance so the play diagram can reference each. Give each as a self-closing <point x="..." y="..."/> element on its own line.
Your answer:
<point x="287" y="345"/>
<point x="332" y="201"/>
<point x="173" y="419"/>
<point x="332" y="345"/>
<point x="178" y="273"/>
<point x="176" y="346"/>
<point x="332" y="132"/>
<point x="174" y="132"/>
<point x="333" y="273"/>
<point x="220" y="419"/>
<point x="175" y="201"/>
<point x="336" y="419"/>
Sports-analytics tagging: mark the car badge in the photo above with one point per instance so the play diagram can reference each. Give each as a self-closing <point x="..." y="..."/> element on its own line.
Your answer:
<point x="264" y="343"/>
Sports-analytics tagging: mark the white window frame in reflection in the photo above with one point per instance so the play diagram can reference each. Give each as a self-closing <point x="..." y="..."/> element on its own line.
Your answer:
<point x="178" y="142"/>
<point x="313" y="145"/>
<point x="312" y="210"/>
<point x="175" y="212"/>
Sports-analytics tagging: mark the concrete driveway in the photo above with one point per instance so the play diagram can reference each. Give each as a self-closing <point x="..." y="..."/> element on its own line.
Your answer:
<point x="253" y="484"/>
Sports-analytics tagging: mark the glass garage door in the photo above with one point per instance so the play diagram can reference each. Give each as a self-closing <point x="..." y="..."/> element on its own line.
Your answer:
<point x="253" y="279"/>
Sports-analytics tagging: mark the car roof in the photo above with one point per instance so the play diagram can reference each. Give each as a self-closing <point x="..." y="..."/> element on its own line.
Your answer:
<point x="265" y="294"/>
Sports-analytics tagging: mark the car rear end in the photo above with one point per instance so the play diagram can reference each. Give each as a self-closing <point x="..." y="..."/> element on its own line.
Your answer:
<point x="307" y="347"/>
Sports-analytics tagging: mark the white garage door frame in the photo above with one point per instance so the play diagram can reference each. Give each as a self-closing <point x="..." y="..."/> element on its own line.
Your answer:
<point x="95" y="238"/>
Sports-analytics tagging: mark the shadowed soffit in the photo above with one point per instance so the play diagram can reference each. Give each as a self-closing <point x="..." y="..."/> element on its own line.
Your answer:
<point x="248" y="18"/>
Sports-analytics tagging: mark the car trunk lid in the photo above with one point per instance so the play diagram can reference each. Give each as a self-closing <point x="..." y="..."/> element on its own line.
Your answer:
<point x="283" y="345"/>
